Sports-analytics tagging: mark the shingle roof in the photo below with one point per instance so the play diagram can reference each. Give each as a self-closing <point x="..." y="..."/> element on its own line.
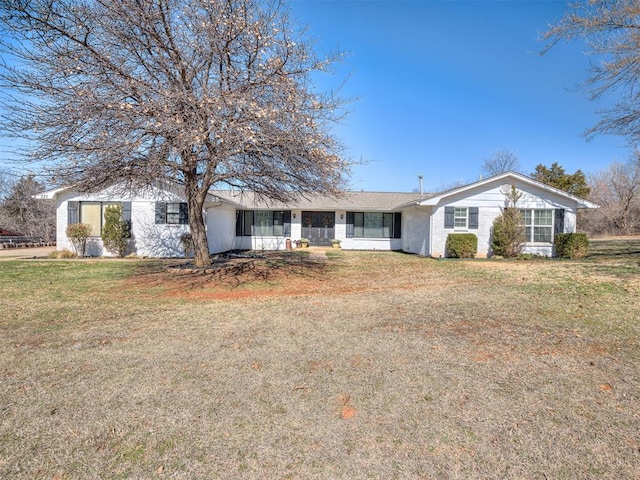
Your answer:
<point x="359" y="201"/>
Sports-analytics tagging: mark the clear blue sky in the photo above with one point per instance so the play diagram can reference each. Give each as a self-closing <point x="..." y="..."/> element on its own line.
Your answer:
<point x="443" y="84"/>
<point x="440" y="85"/>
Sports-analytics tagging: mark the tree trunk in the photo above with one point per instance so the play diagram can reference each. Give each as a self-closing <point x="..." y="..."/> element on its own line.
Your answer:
<point x="195" y="201"/>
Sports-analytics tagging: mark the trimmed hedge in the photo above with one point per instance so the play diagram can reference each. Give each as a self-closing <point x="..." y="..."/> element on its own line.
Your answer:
<point x="462" y="245"/>
<point x="572" y="245"/>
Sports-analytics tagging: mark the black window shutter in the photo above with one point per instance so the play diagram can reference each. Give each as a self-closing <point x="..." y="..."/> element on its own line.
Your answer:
<point x="397" y="225"/>
<point x="248" y="223"/>
<point x="448" y="217"/>
<point x="559" y="221"/>
<point x="161" y="213"/>
<point x="239" y="222"/>
<point x="72" y="212"/>
<point x="350" y="221"/>
<point x="126" y="211"/>
<point x="287" y="223"/>
<point x="184" y="214"/>
<point x="473" y="217"/>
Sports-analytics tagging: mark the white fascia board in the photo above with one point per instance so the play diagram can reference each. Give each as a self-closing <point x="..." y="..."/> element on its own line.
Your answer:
<point x="581" y="202"/>
<point x="50" y="194"/>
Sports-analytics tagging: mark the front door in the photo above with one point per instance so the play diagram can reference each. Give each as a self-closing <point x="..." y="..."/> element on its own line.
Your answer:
<point x="318" y="227"/>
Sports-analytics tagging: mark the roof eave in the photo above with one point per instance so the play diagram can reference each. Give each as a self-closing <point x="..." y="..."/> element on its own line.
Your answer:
<point x="581" y="202"/>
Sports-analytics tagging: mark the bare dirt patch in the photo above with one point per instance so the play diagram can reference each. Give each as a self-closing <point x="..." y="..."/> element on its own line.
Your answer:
<point x="270" y="274"/>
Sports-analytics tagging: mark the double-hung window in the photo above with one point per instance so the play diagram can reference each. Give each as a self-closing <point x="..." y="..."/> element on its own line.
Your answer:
<point x="172" y="213"/>
<point x="460" y="218"/>
<point x="538" y="225"/>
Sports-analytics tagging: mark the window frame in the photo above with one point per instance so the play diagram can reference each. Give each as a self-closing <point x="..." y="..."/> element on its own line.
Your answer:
<point x="75" y="212"/>
<point x="277" y="223"/>
<point x="532" y="222"/>
<point x="179" y="215"/>
<point x="374" y="225"/>
<point x="456" y="218"/>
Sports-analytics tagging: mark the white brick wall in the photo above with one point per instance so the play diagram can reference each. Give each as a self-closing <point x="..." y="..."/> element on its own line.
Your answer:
<point x="489" y="203"/>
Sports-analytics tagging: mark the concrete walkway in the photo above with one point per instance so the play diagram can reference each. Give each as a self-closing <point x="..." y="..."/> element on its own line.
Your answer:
<point x="25" y="253"/>
<point x="318" y="254"/>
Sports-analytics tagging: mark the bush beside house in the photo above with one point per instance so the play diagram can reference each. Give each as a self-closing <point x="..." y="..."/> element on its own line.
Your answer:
<point x="462" y="245"/>
<point x="571" y="245"/>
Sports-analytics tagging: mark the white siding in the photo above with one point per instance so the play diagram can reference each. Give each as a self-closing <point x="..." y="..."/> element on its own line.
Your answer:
<point x="221" y="229"/>
<point x="490" y="200"/>
<point x="372" y="244"/>
<point x="151" y="240"/>
<point x="147" y="240"/>
<point x="415" y="230"/>
<point x="279" y="243"/>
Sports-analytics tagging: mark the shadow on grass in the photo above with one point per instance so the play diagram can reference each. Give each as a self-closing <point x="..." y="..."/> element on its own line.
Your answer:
<point x="232" y="272"/>
<point x="614" y="248"/>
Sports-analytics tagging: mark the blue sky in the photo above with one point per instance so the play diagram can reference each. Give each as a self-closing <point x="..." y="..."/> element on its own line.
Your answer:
<point x="443" y="84"/>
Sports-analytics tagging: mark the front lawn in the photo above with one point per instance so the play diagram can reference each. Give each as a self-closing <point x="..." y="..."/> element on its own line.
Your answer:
<point x="367" y="365"/>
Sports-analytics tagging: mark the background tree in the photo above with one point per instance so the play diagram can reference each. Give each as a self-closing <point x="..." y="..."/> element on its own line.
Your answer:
<point x="7" y="181"/>
<point x="501" y="161"/>
<point x="617" y="190"/>
<point x="611" y="31"/>
<point x="20" y="211"/>
<point x="575" y="184"/>
<point x="203" y="92"/>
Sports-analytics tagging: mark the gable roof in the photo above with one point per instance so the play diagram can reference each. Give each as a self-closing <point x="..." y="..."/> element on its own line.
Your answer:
<point x="360" y="201"/>
<point x="355" y="201"/>
<point x="507" y="176"/>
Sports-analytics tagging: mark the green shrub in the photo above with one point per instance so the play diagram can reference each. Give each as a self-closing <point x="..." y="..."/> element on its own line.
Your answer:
<point x="462" y="245"/>
<point x="572" y="245"/>
<point x="78" y="234"/>
<point x="507" y="237"/>
<point x="116" y="231"/>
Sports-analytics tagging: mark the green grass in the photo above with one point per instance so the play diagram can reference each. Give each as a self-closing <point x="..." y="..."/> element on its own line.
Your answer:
<point x="368" y="365"/>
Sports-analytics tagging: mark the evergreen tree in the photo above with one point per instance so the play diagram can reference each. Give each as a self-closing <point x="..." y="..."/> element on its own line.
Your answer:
<point x="116" y="231"/>
<point x="575" y="184"/>
<point x="507" y="238"/>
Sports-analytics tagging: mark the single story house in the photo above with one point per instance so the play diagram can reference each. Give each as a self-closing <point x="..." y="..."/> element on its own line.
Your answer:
<point x="409" y="222"/>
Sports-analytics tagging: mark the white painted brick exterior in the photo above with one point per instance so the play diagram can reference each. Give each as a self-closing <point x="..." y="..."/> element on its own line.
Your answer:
<point x="416" y="226"/>
<point x="490" y="200"/>
<point x="423" y="230"/>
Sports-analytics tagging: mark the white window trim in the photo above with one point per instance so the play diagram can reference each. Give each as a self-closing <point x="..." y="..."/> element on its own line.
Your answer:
<point x="466" y="218"/>
<point x="530" y="240"/>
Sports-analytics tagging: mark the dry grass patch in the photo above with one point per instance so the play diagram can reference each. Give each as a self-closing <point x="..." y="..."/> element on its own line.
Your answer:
<point x="371" y="365"/>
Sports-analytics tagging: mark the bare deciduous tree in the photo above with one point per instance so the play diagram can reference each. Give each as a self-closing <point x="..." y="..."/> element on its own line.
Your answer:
<point x="501" y="161"/>
<point x="204" y="92"/>
<point x="7" y="181"/>
<point x="617" y="190"/>
<point x="611" y="30"/>
<point x="20" y="211"/>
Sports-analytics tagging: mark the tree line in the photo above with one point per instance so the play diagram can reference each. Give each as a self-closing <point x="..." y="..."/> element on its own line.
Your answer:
<point x="21" y="212"/>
